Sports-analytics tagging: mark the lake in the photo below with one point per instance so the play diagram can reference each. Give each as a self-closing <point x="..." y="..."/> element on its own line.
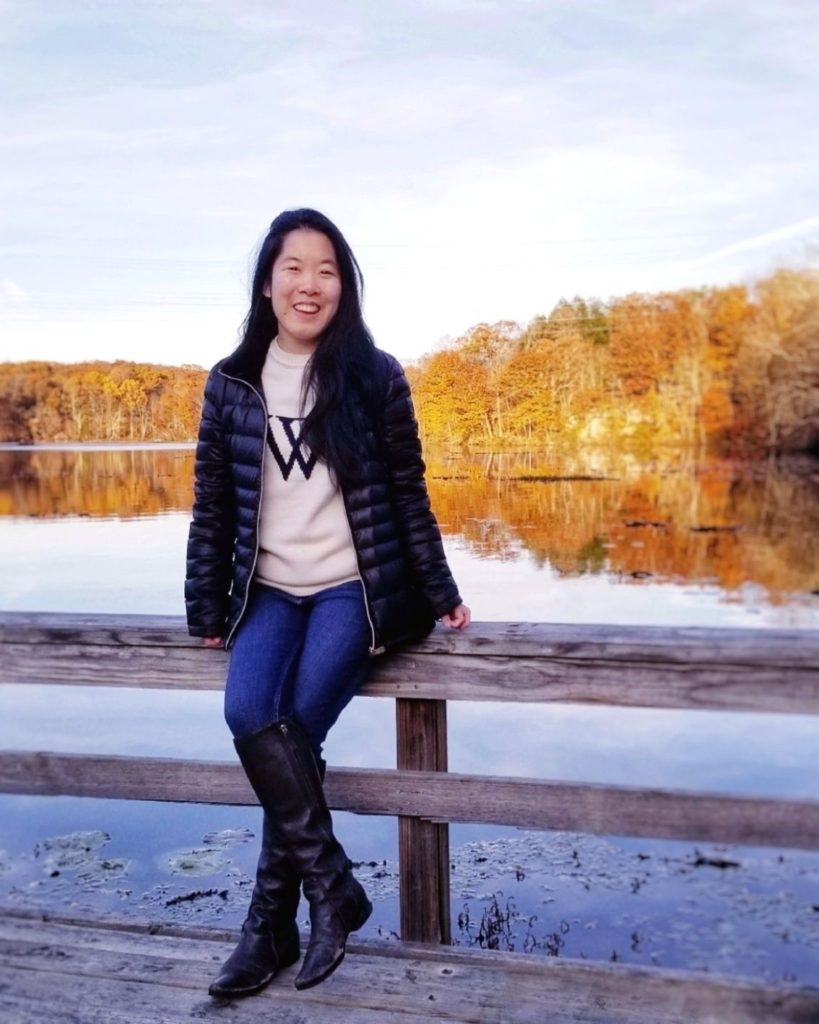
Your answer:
<point x="593" y="537"/>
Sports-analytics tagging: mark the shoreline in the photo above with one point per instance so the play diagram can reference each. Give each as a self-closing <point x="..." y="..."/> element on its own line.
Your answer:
<point x="68" y="446"/>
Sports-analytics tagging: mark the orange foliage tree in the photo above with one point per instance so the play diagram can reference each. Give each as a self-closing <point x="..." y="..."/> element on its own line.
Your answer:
<point x="99" y="401"/>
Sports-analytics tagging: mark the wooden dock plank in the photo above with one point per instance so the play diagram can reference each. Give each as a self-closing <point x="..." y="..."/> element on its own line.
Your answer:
<point x="81" y="972"/>
<point x="78" y="999"/>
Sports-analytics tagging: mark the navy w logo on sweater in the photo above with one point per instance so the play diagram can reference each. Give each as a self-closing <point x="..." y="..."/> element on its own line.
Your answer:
<point x="282" y="437"/>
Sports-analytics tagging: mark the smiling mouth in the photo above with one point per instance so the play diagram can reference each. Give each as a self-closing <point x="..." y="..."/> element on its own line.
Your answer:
<point x="306" y="307"/>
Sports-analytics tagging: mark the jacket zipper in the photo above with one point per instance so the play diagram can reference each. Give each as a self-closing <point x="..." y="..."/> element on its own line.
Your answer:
<point x="373" y="649"/>
<point x="241" y="614"/>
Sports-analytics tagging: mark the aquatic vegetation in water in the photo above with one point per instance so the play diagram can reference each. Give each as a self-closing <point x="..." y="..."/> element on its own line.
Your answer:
<point x="198" y="863"/>
<point x="739" y="910"/>
<point x="98" y="873"/>
<point x="77" y="852"/>
<point x="170" y="903"/>
<point x="74" y="850"/>
<point x="67" y="869"/>
<point x="379" y="878"/>
<point x="225" y="838"/>
<point x="198" y="894"/>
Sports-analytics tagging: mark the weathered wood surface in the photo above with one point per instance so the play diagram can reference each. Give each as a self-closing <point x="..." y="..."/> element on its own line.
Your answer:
<point x="423" y="845"/>
<point x="104" y="970"/>
<point x="639" y="666"/>
<point x="785" y="647"/>
<point x="436" y="796"/>
<point x="56" y="972"/>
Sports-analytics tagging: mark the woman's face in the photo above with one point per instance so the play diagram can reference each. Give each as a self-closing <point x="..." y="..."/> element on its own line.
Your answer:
<point x="304" y="289"/>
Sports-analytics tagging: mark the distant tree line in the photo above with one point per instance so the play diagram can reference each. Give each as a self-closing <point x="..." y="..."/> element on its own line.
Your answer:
<point x="97" y="401"/>
<point x="732" y="369"/>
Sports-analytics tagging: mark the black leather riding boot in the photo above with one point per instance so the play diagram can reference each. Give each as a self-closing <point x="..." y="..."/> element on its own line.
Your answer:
<point x="270" y="935"/>
<point x="282" y="769"/>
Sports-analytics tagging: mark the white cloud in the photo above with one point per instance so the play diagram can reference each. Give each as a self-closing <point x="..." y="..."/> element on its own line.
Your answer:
<point x="803" y="229"/>
<point x="12" y="293"/>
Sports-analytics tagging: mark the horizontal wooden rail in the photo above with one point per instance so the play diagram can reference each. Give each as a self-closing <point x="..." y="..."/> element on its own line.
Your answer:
<point x="436" y="796"/>
<point x="636" y="666"/>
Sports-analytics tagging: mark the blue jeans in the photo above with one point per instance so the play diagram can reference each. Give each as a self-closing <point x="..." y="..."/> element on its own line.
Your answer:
<point x="297" y="657"/>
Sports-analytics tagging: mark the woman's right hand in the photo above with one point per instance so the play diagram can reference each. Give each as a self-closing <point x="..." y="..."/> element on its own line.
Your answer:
<point x="213" y="641"/>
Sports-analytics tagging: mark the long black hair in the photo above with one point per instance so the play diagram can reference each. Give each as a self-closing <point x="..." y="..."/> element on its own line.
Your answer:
<point x="341" y="373"/>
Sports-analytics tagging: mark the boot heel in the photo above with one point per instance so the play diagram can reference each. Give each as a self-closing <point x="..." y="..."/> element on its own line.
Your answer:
<point x="359" y="912"/>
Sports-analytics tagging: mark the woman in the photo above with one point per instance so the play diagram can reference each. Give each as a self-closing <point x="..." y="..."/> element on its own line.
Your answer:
<point x="312" y="549"/>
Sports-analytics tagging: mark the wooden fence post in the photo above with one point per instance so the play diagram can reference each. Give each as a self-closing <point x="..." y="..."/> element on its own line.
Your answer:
<point x="423" y="846"/>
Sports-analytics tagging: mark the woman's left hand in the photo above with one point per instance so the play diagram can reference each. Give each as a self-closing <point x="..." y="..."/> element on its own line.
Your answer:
<point x="458" y="617"/>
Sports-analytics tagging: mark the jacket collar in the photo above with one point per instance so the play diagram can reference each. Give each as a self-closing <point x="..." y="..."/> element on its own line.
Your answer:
<point x="240" y="364"/>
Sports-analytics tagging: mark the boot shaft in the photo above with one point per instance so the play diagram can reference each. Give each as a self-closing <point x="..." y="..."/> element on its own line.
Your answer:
<point x="283" y="772"/>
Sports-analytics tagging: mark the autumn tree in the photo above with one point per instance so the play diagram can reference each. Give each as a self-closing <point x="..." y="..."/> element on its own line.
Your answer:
<point x="451" y="397"/>
<point x="781" y="359"/>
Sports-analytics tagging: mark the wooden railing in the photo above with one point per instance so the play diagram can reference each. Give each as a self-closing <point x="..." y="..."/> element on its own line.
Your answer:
<point x="704" y="669"/>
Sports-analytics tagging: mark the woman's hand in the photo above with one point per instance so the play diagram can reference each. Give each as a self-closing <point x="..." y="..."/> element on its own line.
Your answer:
<point x="458" y="617"/>
<point x="213" y="641"/>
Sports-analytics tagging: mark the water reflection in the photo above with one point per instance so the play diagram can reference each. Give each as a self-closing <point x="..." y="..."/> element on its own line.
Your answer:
<point x="683" y="520"/>
<point x="122" y="482"/>
<point x="593" y="512"/>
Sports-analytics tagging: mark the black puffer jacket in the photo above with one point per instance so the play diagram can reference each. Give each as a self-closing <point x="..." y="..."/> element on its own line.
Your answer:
<point x="401" y="559"/>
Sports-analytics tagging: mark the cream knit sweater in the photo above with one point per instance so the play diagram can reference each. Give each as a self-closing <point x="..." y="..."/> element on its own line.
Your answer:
<point x="304" y="536"/>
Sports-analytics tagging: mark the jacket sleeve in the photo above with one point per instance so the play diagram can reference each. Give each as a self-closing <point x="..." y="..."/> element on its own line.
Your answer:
<point x="415" y="519"/>
<point x="212" y="530"/>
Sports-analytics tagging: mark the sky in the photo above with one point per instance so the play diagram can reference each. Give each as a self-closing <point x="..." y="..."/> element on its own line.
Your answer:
<point x="484" y="158"/>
